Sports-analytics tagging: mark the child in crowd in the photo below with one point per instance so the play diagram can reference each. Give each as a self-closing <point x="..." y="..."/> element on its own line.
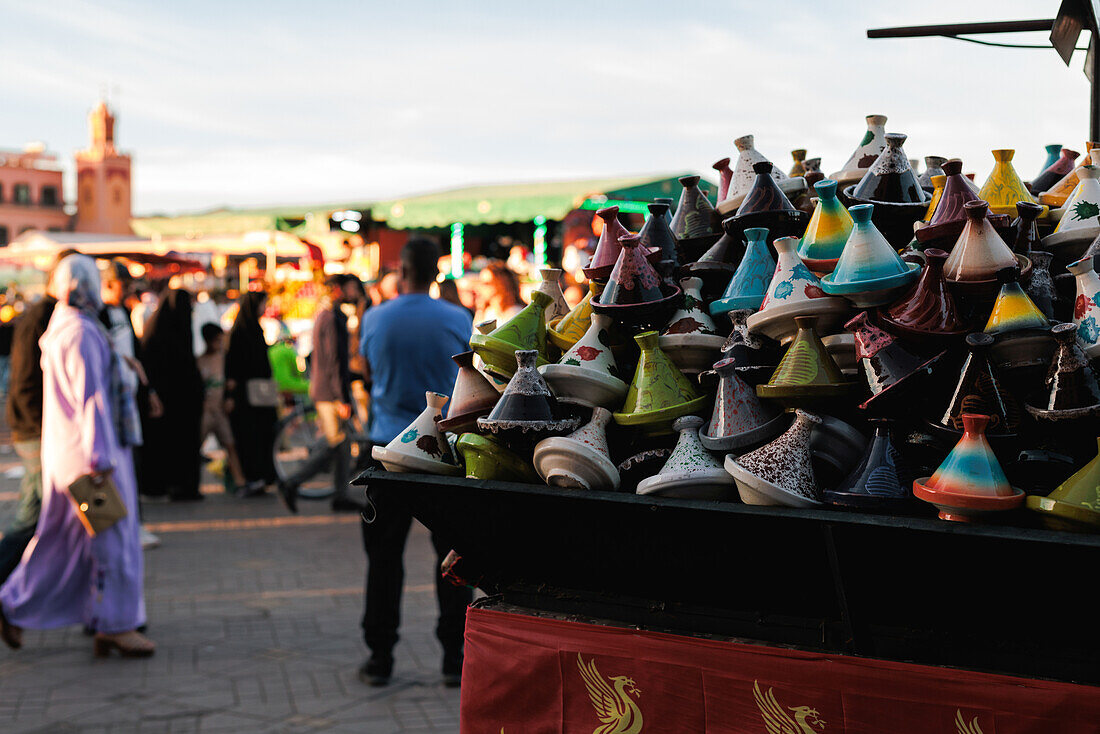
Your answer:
<point x="215" y="409"/>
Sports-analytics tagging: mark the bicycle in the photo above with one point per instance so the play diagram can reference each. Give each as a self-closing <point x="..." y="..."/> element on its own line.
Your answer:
<point x="297" y="433"/>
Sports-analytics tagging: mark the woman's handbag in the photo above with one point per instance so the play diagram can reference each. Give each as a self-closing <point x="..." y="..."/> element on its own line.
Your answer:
<point x="262" y="392"/>
<point x="97" y="501"/>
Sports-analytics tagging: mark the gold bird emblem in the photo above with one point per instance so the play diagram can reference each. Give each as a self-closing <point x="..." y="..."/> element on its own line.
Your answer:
<point x="806" y="720"/>
<point x="613" y="699"/>
<point x="965" y="728"/>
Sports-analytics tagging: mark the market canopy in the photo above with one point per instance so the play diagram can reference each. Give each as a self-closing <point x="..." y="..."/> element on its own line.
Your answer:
<point x="309" y="219"/>
<point x="524" y="202"/>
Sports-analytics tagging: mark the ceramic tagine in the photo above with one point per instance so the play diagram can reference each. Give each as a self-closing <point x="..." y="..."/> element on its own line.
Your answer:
<point x="1052" y="150"/>
<point x="739" y="419"/>
<point x="743" y="174"/>
<point x="756" y="356"/>
<point x="1059" y="193"/>
<point x="659" y="392"/>
<point x="878" y="482"/>
<point x="668" y="212"/>
<point x="488" y="459"/>
<point x="714" y="266"/>
<point x="691" y="339"/>
<point x="938" y="182"/>
<point x="891" y="366"/>
<point x="690" y="472"/>
<point x="969" y="483"/>
<point x="566" y="332"/>
<point x="807" y="372"/>
<point x="608" y="246"/>
<point x="835" y="448"/>
<point x="865" y="154"/>
<point x="1080" y="222"/>
<point x="979" y="254"/>
<point x="892" y="187"/>
<point x="634" y="295"/>
<point x="1071" y="392"/>
<point x="472" y="397"/>
<point x="780" y="472"/>
<point x="551" y="286"/>
<point x="1003" y="189"/>
<point x="725" y="174"/>
<point x="421" y="447"/>
<point x="1064" y="161"/>
<point x="657" y="235"/>
<point x="795" y="291"/>
<point x="1020" y="330"/>
<point x="526" y="410"/>
<point x="949" y="215"/>
<point x="799" y="158"/>
<point x="828" y="230"/>
<point x="1075" y="503"/>
<point x="693" y="224"/>
<point x="1086" y="306"/>
<point x="1040" y="287"/>
<point x="869" y="272"/>
<point x="927" y="311"/>
<point x="749" y="284"/>
<point x="1025" y="229"/>
<point x="933" y="166"/>
<point x="580" y="460"/>
<point x="765" y="205"/>
<point x="587" y="374"/>
<point x="979" y="388"/>
<point x="813" y="171"/>
<point x="525" y="330"/>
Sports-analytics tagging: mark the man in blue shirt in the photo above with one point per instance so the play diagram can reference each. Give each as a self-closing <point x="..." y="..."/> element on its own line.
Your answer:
<point x="407" y="344"/>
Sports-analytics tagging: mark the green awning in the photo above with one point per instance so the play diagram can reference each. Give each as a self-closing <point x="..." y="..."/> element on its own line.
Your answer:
<point x="298" y="220"/>
<point x="517" y="202"/>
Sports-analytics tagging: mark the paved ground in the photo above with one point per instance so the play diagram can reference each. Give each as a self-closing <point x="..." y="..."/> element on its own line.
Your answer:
<point x="256" y="618"/>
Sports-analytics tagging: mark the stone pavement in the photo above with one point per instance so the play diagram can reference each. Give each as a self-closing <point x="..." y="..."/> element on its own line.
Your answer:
<point x="256" y="618"/>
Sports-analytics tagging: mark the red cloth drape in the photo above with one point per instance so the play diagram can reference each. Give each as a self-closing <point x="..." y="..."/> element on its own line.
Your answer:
<point x="527" y="675"/>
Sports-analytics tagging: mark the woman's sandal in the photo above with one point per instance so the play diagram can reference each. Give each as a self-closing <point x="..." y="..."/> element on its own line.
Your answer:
<point x="130" y="644"/>
<point x="9" y="633"/>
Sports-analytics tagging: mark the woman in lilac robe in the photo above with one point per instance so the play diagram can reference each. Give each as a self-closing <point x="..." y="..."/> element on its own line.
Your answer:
<point x="65" y="576"/>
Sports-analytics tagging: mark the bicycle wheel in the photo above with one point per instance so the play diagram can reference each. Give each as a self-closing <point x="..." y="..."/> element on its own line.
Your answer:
<point x="296" y="435"/>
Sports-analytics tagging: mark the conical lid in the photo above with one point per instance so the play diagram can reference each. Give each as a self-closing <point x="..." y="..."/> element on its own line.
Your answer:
<point x="737" y="409"/>
<point x="1057" y="194"/>
<point x="792" y="281"/>
<point x="580" y="460"/>
<point x="743" y="174"/>
<point x="929" y="307"/>
<point x="877" y="476"/>
<point x="933" y="166"/>
<point x="807" y="363"/>
<point x="656" y="233"/>
<point x="868" y="150"/>
<point x="1013" y="310"/>
<point x="749" y="283"/>
<point x="1026" y="229"/>
<point x="1040" y="287"/>
<point x="527" y="398"/>
<point x="828" y="230"/>
<point x="725" y="174"/>
<point x="593" y="351"/>
<point x="887" y="360"/>
<point x="1071" y="386"/>
<point x="867" y="256"/>
<point x="608" y="247"/>
<point x="657" y="383"/>
<point x="689" y="458"/>
<point x="525" y="330"/>
<point x="694" y="213"/>
<point x="979" y="252"/>
<point x="593" y="434"/>
<point x="633" y="280"/>
<point x="472" y="395"/>
<point x="979" y="389"/>
<point x="488" y="459"/>
<point x="671" y="207"/>
<point x="1076" y="500"/>
<point x="690" y="318"/>
<point x="798" y="156"/>
<point x="956" y="193"/>
<point x="1086" y="306"/>
<point x="1064" y="161"/>
<point x="1083" y="207"/>
<point x="566" y="332"/>
<point x="718" y="253"/>
<point x="764" y="195"/>
<point x="971" y="468"/>
<point x="1004" y="188"/>
<point x="551" y="286"/>
<point x="1053" y="154"/>
<point x="422" y="440"/>
<point x="786" y="463"/>
<point x="890" y="178"/>
<point x="938" y="183"/>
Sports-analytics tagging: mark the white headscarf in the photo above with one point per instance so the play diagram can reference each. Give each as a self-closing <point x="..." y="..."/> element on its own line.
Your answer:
<point x="75" y="282"/>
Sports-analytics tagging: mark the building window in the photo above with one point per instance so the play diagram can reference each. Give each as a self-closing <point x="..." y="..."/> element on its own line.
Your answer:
<point x="49" y="196"/>
<point x="28" y="228"/>
<point x="4" y="235"/>
<point x="1" y="193"/>
<point x="22" y="193"/>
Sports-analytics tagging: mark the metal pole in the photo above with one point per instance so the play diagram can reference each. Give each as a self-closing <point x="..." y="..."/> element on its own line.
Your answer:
<point x="961" y="29"/>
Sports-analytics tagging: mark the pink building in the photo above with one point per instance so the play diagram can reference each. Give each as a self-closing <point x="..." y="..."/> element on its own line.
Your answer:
<point x="30" y="193"/>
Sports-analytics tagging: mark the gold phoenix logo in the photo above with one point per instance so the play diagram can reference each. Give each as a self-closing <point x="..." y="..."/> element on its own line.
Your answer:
<point x="613" y="699"/>
<point x="806" y="720"/>
<point x="965" y="728"/>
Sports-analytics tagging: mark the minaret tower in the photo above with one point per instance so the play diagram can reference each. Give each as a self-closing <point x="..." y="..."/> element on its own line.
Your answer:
<point x="102" y="179"/>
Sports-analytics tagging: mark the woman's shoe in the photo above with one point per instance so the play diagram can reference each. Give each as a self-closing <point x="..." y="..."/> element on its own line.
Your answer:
<point x="130" y="644"/>
<point x="9" y="633"/>
<point x="254" y="488"/>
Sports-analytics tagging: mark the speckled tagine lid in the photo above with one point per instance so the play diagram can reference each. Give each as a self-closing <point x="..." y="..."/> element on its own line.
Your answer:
<point x="1073" y="505"/>
<point x="581" y="459"/>
<point x="571" y="327"/>
<point x="608" y="247"/>
<point x="488" y="459"/>
<point x="865" y="154"/>
<point x="878" y="482"/>
<point x="1003" y="189"/>
<point x="743" y="175"/>
<point x="927" y="311"/>
<point x="1071" y="391"/>
<point x="690" y="472"/>
<point x="969" y="483"/>
<point x="421" y="447"/>
<point x="756" y="356"/>
<point x="659" y="392"/>
<point x="781" y="472"/>
<point x="691" y="339"/>
<point x="634" y="294"/>
<point x="472" y="397"/>
<point x="738" y="419"/>
<point x="890" y="179"/>
<point x="869" y="271"/>
<point x="527" y="409"/>
<point x="749" y="284"/>
<point x="828" y="230"/>
<point x="807" y="372"/>
<point x="525" y="330"/>
<point x="588" y="374"/>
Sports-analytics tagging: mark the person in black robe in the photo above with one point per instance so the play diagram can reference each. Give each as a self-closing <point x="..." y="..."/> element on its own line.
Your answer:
<point x="171" y="462"/>
<point x="253" y="426"/>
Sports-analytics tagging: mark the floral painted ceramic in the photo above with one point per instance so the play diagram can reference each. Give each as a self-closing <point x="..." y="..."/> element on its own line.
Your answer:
<point x="587" y="374"/>
<point x="872" y="143"/>
<point x="551" y="286"/>
<point x="691" y="340"/>
<point x="1080" y="222"/>
<point x="1086" y="306"/>
<point x="659" y="392"/>
<point x="421" y="447"/>
<point x="580" y="460"/>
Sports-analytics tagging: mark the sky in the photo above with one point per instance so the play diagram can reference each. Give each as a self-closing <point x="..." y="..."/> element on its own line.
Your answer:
<point x="244" y="103"/>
